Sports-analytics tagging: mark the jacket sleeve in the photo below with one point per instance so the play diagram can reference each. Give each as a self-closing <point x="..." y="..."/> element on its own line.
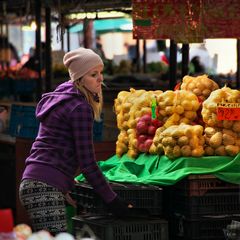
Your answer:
<point x="82" y="129"/>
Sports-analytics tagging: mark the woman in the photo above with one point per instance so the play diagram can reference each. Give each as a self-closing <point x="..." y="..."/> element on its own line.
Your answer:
<point x="64" y="144"/>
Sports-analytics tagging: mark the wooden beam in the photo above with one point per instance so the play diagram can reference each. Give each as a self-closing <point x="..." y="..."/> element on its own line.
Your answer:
<point x="38" y="7"/>
<point x="173" y="65"/>
<point x="48" y="51"/>
<point x="238" y="65"/>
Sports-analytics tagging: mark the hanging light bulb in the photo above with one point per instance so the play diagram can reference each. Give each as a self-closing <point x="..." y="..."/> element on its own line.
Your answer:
<point x="33" y="25"/>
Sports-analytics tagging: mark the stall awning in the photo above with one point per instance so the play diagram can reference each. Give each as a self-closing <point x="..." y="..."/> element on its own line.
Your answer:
<point x="107" y="25"/>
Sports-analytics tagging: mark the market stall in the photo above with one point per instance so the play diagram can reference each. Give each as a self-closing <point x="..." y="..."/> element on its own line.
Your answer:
<point x="186" y="142"/>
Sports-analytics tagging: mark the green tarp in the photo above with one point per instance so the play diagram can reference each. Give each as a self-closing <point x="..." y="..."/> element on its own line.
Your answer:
<point x="160" y="170"/>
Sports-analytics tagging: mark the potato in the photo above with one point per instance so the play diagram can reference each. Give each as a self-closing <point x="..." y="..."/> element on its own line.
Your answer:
<point x="145" y="110"/>
<point x="207" y="140"/>
<point x="132" y="153"/>
<point x="229" y="132"/>
<point x="206" y="92"/>
<point x="185" y="120"/>
<point x="132" y="123"/>
<point x="236" y="126"/>
<point x="237" y="142"/>
<point x="134" y="143"/>
<point x="183" y="140"/>
<point x="177" y="133"/>
<point x="186" y="151"/>
<point x="227" y="124"/>
<point x="126" y="107"/>
<point x="209" y="151"/>
<point x="177" y="151"/>
<point x="198" y="152"/>
<point x="209" y="131"/>
<point x="162" y="113"/>
<point x="169" y="152"/>
<point x="194" y="141"/>
<point x="201" y="140"/>
<point x="198" y="130"/>
<point x="232" y="150"/>
<point x="190" y="115"/>
<point x="228" y="139"/>
<point x="220" y="151"/>
<point x="179" y="109"/>
<point x="169" y="110"/>
<point x="156" y="149"/>
<point x="197" y="91"/>
<point x="187" y="105"/>
<point x="216" y="140"/>
<point x="168" y="141"/>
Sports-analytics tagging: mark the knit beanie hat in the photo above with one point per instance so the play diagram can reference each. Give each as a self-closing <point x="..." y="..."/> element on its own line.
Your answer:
<point x="80" y="61"/>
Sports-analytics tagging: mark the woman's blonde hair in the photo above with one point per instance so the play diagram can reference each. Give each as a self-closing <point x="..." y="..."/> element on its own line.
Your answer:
<point x="96" y="106"/>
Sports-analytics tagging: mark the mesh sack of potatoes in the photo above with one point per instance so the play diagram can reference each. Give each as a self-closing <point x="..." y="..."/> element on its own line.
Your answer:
<point x="201" y="86"/>
<point x="121" y="108"/>
<point x="141" y="106"/>
<point x="210" y="105"/>
<point x="122" y="143"/>
<point x="175" y="107"/>
<point x="129" y="107"/>
<point x="180" y="140"/>
<point x="221" y="142"/>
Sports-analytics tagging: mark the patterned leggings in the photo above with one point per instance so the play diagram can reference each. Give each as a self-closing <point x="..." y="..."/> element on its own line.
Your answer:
<point x="45" y="206"/>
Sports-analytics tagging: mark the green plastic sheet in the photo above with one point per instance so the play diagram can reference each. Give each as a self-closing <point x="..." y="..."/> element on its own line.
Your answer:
<point x="160" y="170"/>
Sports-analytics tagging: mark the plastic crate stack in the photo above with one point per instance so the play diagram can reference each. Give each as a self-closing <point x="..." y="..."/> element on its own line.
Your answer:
<point x="201" y="207"/>
<point x="23" y="122"/>
<point x="92" y="212"/>
<point x="24" y="86"/>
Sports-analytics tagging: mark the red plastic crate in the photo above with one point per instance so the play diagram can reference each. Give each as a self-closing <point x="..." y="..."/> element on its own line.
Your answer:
<point x="199" y="185"/>
<point x="200" y="195"/>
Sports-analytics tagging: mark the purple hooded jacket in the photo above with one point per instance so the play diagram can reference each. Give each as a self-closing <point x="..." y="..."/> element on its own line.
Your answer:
<point x="64" y="143"/>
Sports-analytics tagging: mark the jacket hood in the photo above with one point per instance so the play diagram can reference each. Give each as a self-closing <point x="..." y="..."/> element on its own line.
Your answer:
<point x="64" y="92"/>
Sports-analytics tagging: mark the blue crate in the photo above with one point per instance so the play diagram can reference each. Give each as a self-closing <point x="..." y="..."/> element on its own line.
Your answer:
<point x="5" y="87"/>
<point x="22" y="86"/>
<point x="23" y="122"/>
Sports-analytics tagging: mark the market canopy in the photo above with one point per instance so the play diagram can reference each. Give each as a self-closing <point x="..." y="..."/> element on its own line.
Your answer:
<point x="107" y="25"/>
<point x="186" y="21"/>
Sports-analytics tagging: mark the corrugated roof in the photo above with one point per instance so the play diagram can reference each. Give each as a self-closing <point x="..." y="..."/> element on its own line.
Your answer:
<point x="67" y="6"/>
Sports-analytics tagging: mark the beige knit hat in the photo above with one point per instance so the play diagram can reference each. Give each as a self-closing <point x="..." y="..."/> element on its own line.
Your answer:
<point x="80" y="61"/>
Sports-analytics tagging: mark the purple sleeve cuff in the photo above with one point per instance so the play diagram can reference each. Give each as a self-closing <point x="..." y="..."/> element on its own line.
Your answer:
<point x="100" y="185"/>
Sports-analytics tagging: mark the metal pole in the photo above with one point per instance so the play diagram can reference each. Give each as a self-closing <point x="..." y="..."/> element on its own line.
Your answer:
<point x="8" y="51"/>
<point x="137" y="56"/>
<point x="68" y="38"/>
<point x="48" y="51"/>
<point x="238" y="65"/>
<point x="185" y="59"/>
<point x="173" y="65"/>
<point x="87" y="33"/>
<point x="144" y="56"/>
<point x="38" y="48"/>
